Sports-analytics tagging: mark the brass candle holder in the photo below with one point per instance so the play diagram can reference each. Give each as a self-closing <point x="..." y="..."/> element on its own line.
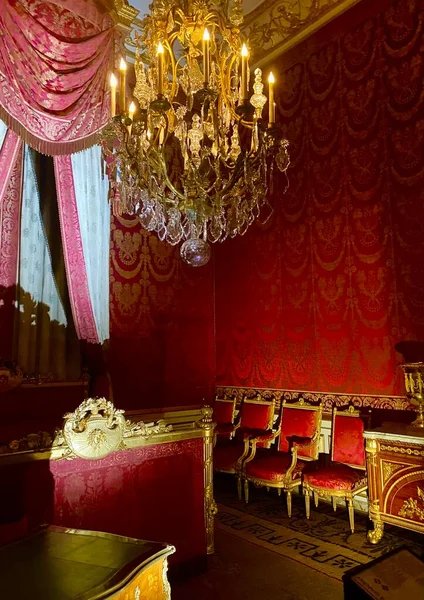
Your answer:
<point x="414" y="385"/>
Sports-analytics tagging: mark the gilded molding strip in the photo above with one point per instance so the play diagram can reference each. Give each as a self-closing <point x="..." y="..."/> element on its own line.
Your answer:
<point x="401" y="450"/>
<point x="328" y="400"/>
<point x="277" y="25"/>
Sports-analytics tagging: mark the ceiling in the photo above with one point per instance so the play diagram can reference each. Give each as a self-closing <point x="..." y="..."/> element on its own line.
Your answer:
<point x="274" y="26"/>
<point x="143" y="5"/>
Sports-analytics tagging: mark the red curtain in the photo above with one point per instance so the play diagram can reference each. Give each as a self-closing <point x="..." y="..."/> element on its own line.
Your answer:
<point x="161" y="319"/>
<point x="317" y="300"/>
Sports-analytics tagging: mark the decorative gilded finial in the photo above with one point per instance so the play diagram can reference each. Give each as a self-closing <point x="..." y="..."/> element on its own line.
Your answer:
<point x="258" y="100"/>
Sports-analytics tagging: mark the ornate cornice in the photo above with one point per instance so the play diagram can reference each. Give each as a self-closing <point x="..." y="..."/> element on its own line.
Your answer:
<point x="126" y="13"/>
<point x="277" y="25"/>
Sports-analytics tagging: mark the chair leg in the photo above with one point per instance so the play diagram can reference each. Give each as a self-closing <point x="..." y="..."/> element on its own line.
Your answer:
<point x="239" y="487"/>
<point x="246" y="491"/>
<point x="307" y="504"/>
<point x="316" y="498"/>
<point x="334" y="499"/>
<point x="289" y="503"/>
<point x="351" y="514"/>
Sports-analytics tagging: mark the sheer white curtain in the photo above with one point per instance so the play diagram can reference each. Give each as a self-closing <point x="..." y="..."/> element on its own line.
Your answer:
<point x="3" y="129"/>
<point x="91" y="191"/>
<point x="40" y="340"/>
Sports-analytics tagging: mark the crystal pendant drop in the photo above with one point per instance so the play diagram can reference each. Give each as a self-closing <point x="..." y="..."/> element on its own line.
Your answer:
<point x="195" y="252"/>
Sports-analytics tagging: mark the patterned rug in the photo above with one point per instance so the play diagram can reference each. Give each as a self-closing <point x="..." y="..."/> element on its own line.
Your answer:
<point x="323" y="543"/>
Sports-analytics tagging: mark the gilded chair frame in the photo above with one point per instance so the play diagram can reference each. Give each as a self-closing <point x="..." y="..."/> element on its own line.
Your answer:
<point x="288" y="483"/>
<point x="267" y="439"/>
<point x="333" y="495"/>
<point x="233" y="401"/>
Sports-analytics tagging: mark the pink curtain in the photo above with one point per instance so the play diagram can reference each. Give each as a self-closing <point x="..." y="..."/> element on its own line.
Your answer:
<point x="54" y="58"/>
<point x="76" y="270"/>
<point x="10" y="201"/>
<point x="10" y="211"/>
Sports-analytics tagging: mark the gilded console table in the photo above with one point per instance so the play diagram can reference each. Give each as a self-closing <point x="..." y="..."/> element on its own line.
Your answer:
<point x="395" y="465"/>
<point x="57" y="563"/>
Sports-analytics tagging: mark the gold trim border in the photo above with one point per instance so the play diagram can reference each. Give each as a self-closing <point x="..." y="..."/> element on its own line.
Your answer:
<point x="329" y="400"/>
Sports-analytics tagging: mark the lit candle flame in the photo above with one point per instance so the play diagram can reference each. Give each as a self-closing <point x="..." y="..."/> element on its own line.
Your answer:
<point x="131" y="109"/>
<point x="244" y="50"/>
<point x="271" y="78"/>
<point x="122" y="65"/>
<point x="113" y="81"/>
<point x="206" y="35"/>
<point x="160" y="48"/>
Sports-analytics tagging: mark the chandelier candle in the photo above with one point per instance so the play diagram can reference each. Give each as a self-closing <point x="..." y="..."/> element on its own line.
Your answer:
<point x="244" y="57"/>
<point x="123" y="86"/>
<point x="271" y="103"/>
<point x="206" y="56"/>
<point x="113" y="84"/>
<point x="160" y="69"/>
<point x="131" y="111"/>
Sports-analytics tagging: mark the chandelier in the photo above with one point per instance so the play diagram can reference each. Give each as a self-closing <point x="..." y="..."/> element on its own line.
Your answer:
<point x="192" y="155"/>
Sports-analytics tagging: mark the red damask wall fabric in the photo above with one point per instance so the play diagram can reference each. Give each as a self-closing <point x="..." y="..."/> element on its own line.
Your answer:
<point x="162" y="324"/>
<point x="318" y="298"/>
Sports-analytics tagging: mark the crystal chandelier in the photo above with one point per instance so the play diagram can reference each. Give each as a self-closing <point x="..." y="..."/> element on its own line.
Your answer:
<point x="191" y="155"/>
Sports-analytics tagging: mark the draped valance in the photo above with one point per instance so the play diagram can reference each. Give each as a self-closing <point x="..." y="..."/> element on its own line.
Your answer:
<point x="54" y="58"/>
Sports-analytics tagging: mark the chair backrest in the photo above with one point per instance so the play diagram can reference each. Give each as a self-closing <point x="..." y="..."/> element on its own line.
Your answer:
<point x="257" y="413"/>
<point x="347" y="441"/>
<point x="224" y="410"/>
<point x="300" y="420"/>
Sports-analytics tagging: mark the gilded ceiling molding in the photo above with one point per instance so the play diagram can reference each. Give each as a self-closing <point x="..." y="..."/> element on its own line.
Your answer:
<point x="275" y="26"/>
<point x="126" y="14"/>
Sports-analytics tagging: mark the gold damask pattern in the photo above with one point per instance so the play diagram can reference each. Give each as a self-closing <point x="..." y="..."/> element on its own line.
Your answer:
<point x="318" y="298"/>
<point x="161" y="322"/>
<point x="140" y="263"/>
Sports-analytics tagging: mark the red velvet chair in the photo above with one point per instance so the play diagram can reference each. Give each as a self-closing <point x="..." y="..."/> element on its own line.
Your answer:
<point x="224" y="412"/>
<point x="298" y="442"/>
<point x="256" y="419"/>
<point x="345" y="477"/>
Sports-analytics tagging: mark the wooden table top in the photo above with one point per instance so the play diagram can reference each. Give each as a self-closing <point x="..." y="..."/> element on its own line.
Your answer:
<point x="70" y="564"/>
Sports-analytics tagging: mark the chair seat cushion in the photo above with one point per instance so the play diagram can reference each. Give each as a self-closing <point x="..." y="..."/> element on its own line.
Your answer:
<point x="272" y="467"/>
<point x="336" y="477"/>
<point x="226" y="455"/>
